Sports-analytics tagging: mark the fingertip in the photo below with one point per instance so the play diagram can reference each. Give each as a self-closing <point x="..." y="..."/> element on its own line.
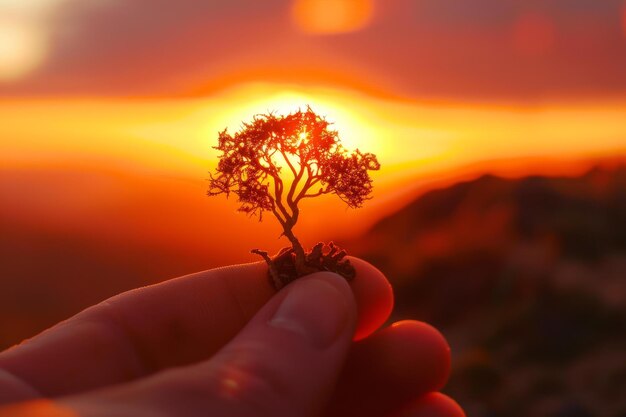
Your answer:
<point x="373" y="295"/>
<point x="335" y="280"/>
<point x="390" y="368"/>
<point x="434" y="404"/>
<point x="426" y="351"/>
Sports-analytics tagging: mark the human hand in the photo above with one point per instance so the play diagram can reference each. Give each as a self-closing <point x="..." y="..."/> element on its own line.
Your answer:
<point x="222" y="343"/>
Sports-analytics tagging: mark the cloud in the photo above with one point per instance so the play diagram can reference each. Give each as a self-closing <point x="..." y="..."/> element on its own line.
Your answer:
<point x="502" y="50"/>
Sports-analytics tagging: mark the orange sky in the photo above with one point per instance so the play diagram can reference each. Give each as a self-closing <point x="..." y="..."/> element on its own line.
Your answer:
<point x="134" y="93"/>
<point x="176" y="134"/>
<point x="134" y="152"/>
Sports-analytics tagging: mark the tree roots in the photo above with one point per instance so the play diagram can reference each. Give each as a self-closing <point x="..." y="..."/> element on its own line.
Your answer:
<point x="283" y="270"/>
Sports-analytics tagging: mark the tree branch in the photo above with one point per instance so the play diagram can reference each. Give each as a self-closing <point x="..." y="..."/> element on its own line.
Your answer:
<point x="293" y="170"/>
<point x="278" y="192"/>
<point x="294" y="187"/>
<point x="317" y="194"/>
<point x="282" y="221"/>
<point x="310" y="182"/>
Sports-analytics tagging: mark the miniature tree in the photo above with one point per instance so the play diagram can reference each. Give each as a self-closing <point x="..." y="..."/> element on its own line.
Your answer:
<point x="274" y="163"/>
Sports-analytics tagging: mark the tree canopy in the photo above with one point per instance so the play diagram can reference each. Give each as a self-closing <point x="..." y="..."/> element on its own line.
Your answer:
<point x="253" y="162"/>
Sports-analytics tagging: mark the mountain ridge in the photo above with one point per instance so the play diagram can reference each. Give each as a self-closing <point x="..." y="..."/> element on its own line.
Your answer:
<point x="525" y="277"/>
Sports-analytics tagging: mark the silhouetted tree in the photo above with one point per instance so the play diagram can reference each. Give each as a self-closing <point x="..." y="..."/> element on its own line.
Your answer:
<point x="275" y="162"/>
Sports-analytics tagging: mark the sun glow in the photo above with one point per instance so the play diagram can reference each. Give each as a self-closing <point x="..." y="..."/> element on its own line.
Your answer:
<point x="355" y="131"/>
<point x="177" y="135"/>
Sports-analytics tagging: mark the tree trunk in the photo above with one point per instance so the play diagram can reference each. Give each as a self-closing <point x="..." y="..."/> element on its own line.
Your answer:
<point x="299" y="251"/>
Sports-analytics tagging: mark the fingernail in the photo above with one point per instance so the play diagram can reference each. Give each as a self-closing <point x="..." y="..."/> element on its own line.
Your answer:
<point x="315" y="309"/>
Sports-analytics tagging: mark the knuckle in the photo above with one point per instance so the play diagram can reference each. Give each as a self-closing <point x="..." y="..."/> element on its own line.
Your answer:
<point x="259" y="393"/>
<point x="253" y="384"/>
<point x="237" y="385"/>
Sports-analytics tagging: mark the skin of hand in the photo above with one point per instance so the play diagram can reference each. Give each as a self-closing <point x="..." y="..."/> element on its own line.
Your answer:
<point x="224" y="343"/>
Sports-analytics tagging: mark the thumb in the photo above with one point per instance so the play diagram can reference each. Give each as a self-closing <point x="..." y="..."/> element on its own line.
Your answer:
<point x="284" y="363"/>
<point x="287" y="361"/>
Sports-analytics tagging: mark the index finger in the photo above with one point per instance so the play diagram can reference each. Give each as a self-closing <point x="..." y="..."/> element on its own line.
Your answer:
<point x="177" y="322"/>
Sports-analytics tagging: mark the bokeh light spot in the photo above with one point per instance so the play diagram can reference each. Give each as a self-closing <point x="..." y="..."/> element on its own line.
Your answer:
<point x="22" y="48"/>
<point x="30" y="7"/>
<point x="332" y="16"/>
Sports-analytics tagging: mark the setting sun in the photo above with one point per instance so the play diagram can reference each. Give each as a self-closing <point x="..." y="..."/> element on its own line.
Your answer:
<point x="334" y="104"/>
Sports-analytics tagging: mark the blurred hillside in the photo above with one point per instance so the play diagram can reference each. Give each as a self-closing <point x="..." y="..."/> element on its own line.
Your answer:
<point x="526" y="278"/>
